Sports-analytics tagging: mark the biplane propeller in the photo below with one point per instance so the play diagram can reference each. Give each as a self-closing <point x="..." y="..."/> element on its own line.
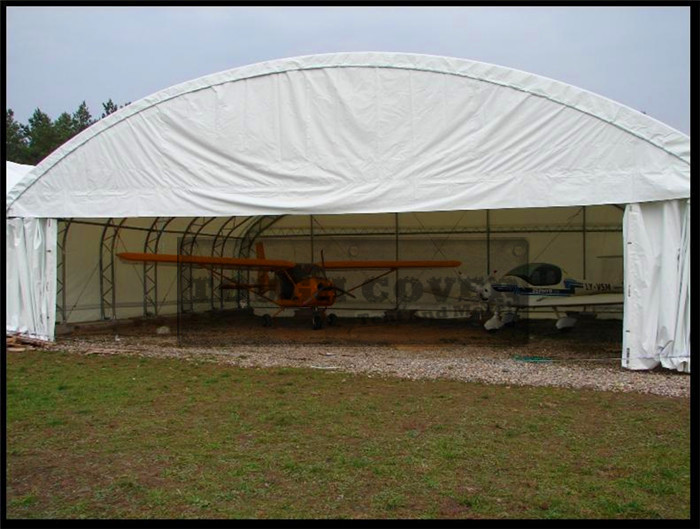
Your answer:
<point x="296" y="285"/>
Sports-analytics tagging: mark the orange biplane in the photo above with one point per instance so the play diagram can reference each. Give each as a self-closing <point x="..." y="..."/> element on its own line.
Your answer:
<point x="297" y="285"/>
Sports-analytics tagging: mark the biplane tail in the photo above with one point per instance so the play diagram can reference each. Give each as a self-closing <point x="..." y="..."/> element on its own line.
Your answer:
<point x="263" y="284"/>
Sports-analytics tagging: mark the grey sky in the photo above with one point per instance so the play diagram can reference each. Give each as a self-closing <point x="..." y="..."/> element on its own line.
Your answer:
<point x="58" y="57"/>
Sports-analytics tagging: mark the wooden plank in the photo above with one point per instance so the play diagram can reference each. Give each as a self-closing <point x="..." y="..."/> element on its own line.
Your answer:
<point x="33" y="341"/>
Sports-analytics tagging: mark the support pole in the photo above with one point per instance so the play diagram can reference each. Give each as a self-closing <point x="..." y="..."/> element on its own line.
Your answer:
<point x="488" y="243"/>
<point x="311" y="234"/>
<point x="108" y="295"/>
<point x="584" y="242"/>
<point x="396" y="257"/>
<point x="61" y="241"/>
<point x="150" y="270"/>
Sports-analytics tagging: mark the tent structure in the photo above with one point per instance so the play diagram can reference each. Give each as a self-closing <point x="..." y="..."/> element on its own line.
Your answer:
<point x="369" y="133"/>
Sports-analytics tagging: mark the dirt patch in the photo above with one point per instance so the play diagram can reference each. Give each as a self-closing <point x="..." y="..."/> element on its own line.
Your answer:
<point x="528" y="353"/>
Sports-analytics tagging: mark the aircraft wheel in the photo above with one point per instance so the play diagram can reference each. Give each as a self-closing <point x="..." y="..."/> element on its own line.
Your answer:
<point x="317" y="321"/>
<point x="267" y="320"/>
<point x="332" y="319"/>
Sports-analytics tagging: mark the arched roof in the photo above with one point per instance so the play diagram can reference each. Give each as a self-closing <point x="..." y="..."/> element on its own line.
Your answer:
<point x="15" y="173"/>
<point x="358" y="133"/>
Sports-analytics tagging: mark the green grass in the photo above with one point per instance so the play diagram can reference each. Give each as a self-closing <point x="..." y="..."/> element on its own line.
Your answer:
<point x="125" y="437"/>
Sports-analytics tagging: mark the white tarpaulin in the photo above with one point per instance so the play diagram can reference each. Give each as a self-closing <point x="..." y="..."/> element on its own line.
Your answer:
<point x="15" y="173"/>
<point x="359" y="133"/>
<point x="26" y="297"/>
<point x="30" y="300"/>
<point x="657" y="285"/>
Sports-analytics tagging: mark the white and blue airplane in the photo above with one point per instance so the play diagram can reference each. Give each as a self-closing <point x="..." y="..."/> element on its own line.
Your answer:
<point x="543" y="285"/>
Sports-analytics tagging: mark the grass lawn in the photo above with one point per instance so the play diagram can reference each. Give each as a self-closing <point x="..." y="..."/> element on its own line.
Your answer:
<point x="125" y="437"/>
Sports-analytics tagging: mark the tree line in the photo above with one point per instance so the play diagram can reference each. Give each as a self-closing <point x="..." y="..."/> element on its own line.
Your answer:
<point x="31" y="143"/>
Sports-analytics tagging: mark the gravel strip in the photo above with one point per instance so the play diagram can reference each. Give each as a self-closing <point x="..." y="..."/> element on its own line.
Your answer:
<point x="490" y="365"/>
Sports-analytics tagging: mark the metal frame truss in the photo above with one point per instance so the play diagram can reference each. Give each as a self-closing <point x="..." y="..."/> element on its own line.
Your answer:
<point x="61" y="238"/>
<point x="217" y="250"/>
<point x="187" y="244"/>
<point x="245" y="245"/>
<point x="150" y="270"/>
<point x="108" y="293"/>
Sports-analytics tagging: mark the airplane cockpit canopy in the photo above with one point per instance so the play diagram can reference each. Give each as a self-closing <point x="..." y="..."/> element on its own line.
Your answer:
<point x="306" y="270"/>
<point x="538" y="274"/>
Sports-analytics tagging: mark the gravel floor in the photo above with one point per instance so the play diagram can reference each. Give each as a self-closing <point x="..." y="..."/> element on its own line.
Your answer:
<point x="588" y="359"/>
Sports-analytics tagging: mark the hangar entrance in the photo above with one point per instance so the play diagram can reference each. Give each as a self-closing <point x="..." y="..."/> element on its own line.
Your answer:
<point x="547" y="247"/>
<point x="422" y="304"/>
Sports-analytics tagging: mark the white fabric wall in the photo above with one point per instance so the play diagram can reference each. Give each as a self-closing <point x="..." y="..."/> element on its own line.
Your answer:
<point x="657" y="285"/>
<point x="14" y="172"/>
<point x="31" y="277"/>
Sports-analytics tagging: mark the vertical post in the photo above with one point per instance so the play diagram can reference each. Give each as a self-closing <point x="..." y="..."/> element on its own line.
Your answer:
<point x="311" y="232"/>
<point x="61" y="240"/>
<point x="488" y="243"/>
<point x="583" y="233"/>
<point x="108" y="293"/>
<point x="217" y="250"/>
<point x="179" y="291"/>
<point x="396" y="257"/>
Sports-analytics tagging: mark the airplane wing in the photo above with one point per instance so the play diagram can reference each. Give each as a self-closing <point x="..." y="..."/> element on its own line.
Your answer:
<point x="586" y="300"/>
<point x="206" y="261"/>
<point x="391" y="265"/>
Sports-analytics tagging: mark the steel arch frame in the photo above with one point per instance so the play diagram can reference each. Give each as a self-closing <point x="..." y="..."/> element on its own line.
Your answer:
<point x="108" y="294"/>
<point x="217" y="250"/>
<point x="150" y="270"/>
<point x="61" y="240"/>
<point x="185" y="247"/>
<point x="245" y="245"/>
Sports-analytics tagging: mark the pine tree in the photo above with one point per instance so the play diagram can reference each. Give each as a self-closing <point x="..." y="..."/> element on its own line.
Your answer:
<point x="82" y="118"/>
<point x="42" y="137"/>
<point x="15" y="139"/>
<point x="109" y="108"/>
<point x="63" y="129"/>
<point x="33" y="142"/>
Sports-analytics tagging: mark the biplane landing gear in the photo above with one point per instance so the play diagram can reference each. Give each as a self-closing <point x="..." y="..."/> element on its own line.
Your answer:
<point x="267" y="320"/>
<point x="332" y="319"/>
<point x="317" y="320"/>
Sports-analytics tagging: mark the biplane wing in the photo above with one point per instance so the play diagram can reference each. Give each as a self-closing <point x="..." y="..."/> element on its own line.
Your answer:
<point x="391" y="265"/>
<point x="207" y="261"/>
<point x="279" y="264"/>
<point x="586" y="300"/>
<point x="297" y="285"/>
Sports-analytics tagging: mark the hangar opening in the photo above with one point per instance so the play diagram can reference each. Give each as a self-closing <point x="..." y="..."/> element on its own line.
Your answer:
<point x="300" y="154"/>
<point x="584" y="242"/>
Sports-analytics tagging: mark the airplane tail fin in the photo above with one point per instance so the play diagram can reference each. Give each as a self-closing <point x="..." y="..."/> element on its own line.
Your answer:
<point x="263" y="277"/>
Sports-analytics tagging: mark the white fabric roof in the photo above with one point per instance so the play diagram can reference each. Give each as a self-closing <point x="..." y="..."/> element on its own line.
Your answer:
<point x="359" y="133"/>
<point x="15" y="172"/>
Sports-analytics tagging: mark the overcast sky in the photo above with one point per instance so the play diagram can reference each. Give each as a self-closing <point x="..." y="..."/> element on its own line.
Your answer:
<point x="58" y="57"/>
